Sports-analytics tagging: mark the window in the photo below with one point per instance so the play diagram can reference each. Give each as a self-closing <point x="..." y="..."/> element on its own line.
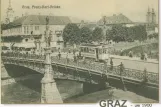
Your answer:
<point x="58" y="43"/>
<point x="24" y="30"/>
<point x="36" y="27"/>
<point x="82" y="50"/>
<point x="27" y="29"/>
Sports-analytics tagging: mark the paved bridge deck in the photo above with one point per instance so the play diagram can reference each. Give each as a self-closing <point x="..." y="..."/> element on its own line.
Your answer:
<point x="152" y="65"/>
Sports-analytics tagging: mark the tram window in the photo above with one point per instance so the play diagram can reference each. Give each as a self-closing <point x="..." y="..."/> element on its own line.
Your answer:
<point x="87" y="50"/>
<point x="82" y="50"/>
<point x="100" y="51"/>
<point x="104" y="51"/>
<point x="91" y="51"/>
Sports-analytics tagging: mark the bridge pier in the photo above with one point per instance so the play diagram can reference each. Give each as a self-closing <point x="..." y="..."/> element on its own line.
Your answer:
<point x="49" y="91"/>
<point x="4" y="73"/>
<point x="89" y="88"/>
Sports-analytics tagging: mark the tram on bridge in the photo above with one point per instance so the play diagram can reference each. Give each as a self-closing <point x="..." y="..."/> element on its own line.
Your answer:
<point x="95" y="52"/>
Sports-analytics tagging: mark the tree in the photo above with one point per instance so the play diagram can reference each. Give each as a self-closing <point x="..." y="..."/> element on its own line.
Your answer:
<point x="97" y="34"/>
<point x="154" y="35"/>
<point x="140" y="33"/>
<point x="118" y="33"/>
<point x="71" y="34"/>
<point x="86" y="35"/>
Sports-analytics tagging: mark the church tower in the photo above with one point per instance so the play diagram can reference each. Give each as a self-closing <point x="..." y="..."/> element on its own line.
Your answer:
<point x="148" y="16"/>
<point x="153" y="17"/>
<point x="10" y="13"/>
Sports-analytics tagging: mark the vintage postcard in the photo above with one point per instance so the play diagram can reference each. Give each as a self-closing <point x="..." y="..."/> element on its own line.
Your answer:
<point x="79" y="51"/>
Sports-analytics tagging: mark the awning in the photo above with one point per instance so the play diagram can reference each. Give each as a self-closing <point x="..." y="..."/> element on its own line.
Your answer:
<point x="24" y="45"/>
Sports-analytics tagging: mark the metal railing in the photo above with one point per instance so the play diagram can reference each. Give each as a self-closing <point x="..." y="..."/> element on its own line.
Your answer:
<point x="132" y="74"/>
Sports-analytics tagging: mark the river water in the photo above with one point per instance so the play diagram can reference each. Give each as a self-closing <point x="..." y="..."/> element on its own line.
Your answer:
<point x="29" y="91"/>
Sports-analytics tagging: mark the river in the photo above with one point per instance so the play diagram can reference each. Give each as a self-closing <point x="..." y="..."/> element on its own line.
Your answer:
<point x="28" y="92"/>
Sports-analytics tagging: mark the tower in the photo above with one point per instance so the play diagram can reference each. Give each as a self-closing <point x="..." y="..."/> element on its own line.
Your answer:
<point x="10" y="13"/>
<point x="153" y="16"/>
<point x="49" y="91"/>
<point x="104" y="29"/>
<point x="148" y="16"/>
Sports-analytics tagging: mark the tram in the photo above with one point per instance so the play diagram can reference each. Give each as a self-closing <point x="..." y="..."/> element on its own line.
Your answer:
<point x="95" y="52"/>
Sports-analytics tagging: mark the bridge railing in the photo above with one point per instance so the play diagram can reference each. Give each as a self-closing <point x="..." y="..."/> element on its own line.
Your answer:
<point x="98" y="67"/>
<point x="93" y="66"/>
<point x="22" y="55"/>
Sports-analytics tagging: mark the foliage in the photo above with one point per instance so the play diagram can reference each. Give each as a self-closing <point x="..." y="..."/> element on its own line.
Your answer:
<point x="71" y="34"/>
<point x="154" y="35"/>
<point x="97" y="34"/>
<point x="120" y="33"/>
<point x="86" y="35"/>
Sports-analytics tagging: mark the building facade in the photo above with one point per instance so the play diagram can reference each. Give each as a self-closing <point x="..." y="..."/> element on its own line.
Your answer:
<point x="30" y="30"/>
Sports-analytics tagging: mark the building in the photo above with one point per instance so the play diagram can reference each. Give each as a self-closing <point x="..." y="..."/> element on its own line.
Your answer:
<point x="151" y="25"/>
<point x="10" y="14"/>
<point x="28" y="31"/>
<point x="115" y="19"/>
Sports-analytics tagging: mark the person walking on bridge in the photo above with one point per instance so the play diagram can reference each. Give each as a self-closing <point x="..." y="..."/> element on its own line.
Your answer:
<point x="59" y="55"/>
<point x="145" y="56"/>
<point x="130" y="54"/>
<point x="111" y="63"/>
<point x="121" y="66"/>
<point x="67" y="58"/>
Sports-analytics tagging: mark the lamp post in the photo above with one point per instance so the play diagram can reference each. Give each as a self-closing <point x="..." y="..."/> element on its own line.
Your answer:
<point x="49" y="91"/>
<point x="104" y="29"/>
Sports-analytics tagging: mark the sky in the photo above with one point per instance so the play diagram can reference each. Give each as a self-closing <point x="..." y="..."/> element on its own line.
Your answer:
<point x="91" y="10"/>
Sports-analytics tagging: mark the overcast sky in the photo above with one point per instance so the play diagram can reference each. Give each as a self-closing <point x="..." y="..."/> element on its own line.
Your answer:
<point x="91" y="10"/>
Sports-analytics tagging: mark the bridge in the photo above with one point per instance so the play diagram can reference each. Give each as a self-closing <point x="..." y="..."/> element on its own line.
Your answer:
<point x="96" y="75"/>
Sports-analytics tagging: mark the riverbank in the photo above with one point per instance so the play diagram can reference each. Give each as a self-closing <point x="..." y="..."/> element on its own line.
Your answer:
<point x="104" y="95"/>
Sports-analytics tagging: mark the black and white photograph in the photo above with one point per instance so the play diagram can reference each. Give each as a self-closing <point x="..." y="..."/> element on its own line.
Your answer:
<point x="79" y="51"/>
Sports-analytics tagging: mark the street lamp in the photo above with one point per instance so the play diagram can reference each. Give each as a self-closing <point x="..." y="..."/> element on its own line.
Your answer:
<point x="104" y="29"/>
<point x="49" y="91"/>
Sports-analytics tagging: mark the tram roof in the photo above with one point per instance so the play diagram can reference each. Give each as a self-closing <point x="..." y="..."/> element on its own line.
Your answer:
<point x="91" y="45"/>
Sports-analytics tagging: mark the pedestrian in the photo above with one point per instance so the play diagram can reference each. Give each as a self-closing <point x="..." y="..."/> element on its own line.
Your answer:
<point x="74" y="52"/>
<point x="145" y="56"/>
<point x="84" y="61"/>
<point x="69" y="51"/>
<point x="142" y="56"/>
<point x="121" y="52"/>
<point x="130" y="54"/>
<point x="121" y="68"/>
<point x="59" y="55"/>
<point x="75" y="58"/>
<point x="79" y="53"/>
<point x="111" y="63"/>
<point x="145" y="75"/>
<point x="67" y="58"/>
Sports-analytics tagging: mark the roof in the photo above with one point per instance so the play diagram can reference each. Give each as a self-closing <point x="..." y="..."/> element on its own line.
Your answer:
<point x="39" y="20"/>
<point x="115" y="19"/>
<point x="90" y="25"/>
<point x="90" y="45"/>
